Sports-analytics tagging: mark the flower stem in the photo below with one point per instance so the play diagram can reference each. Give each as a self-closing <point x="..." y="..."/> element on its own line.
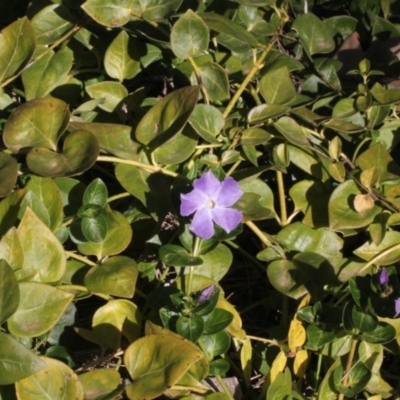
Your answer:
<point x="196" y="251"/>
<point x="282" y="200"/>
<point x="80" y="258"/>
<point x="349" y="364"/>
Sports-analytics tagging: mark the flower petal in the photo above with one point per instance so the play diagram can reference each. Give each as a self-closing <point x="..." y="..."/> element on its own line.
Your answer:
<point x="192" y="201"/>
<point x="202" y="224"/>
<point x="227" y="218"/>
<point x="208" y="184"/>
<point x="397" y="307"/>
<point x="383" y="277"/>
<point x="229" y="193"/>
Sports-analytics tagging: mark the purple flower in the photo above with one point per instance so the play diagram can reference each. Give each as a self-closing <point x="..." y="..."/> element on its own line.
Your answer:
<point x="397" y="307"/>
<point x="205" y="294"/>
<point x="383" y="277"/>
<point x="210" y="201"/>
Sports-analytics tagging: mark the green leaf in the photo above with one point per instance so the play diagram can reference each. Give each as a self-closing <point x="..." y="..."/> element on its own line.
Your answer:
<point x="313" y="35"/>
<point x="207" y="121"/>
<point x="113" y="93"/>
<point x="277" y="87"/>
<point x="190" y="328"/>
<point x="317" y="337"/>
<point x="94" y="229"/>
<point x="189" y="35"/>
<point x="96" y="193"/>
<point x="385" y="96"/>
<point x="101" y="384"/>
<point x="17" y="44"/>
<point x="43" y="253"/>
<point x="32" y="125"/>
<point x="281" y="387"/>
<point x="51" y="23"/>
<point x="216" y="321"/>
<point x="156" y="10"/>
<point x="11" y="249"/>
<point x="160" y="359"/>
<point x="383" y="333"/>
<point x="8" y="174"/>
<point x="292" y="131"/>
<point x="39" y="309"/>
<point x="215" y="344"/>
<point x="118" y="237"/>
<point x="254" y="137"/>
<point x="359" y="376"/>
<point x="47" y="73"/>
<point x="116" y="276"/>
<point x="215" y="80"/>
<point x="80" y="152"/>
<point x="342" y="214"/>
<point x="57" y="382"/>
<point x="264" y="112"/>
<point x="168" y="116"/>
<point x="231" y="35"/>
<point x="362" y="321"/>
<point x="9" y="292"/>
<point x="9" y="208"/>
<point x="111" y="13"/>
<point x="177" y="256"/>
<point x="16" y="361"/>
<point x="121" y="60"/>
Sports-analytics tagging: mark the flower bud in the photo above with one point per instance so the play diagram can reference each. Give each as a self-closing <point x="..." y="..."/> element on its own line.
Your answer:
<point x="205" y="294"/>
<point x="383" y="277"/>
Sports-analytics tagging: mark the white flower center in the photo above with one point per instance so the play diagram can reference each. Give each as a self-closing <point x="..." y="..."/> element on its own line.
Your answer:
<point x="210" y="204"/>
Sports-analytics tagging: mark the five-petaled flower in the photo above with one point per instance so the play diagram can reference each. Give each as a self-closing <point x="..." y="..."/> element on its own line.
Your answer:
<point x="210" y="201"/>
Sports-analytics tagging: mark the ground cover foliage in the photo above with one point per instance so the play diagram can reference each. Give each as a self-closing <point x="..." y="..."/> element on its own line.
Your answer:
<point x="110" y="110"/>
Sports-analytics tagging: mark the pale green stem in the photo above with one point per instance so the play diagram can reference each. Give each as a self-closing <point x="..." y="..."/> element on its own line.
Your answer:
<point x="118" y="196"/>
<point x="196" y="250"/>
<point x="197" y="72"/>
<point x="317" y="374"/>
<point x="202" y="390"/>
<point x="258" y="233"/>
<point x="257" y="66"/>
<point x="84" y="289"/>
<point x="260" y="339"/>
<point x="233" y="168"/>
<point x="379" y="256"/>
<point x="80" y="258"/>
<point x="349" y="363"/>
<point x="282" y="199"/>
<point x="54" y="45"/>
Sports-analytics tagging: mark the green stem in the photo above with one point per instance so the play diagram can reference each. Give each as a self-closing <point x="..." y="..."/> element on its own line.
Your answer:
<point x="80" y="258"/>
<point x="196" y="251"/>
<point x="224" y="387"/>
<point x="233" y="168"/>
<point x="257" y="231"/>
<point x="118" y="196"/>
<point x="379" y="256"/>
<point x="54" y="45"/>
<point x="260" y="339"/>
<point x="317" y="374"/>
<point x="282" y="199"/>
<point x="197" y="72"/>
<point x="256" y="67"/>
<point x="349" y="364"/>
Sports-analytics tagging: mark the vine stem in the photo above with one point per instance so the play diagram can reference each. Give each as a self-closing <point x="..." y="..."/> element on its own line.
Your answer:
<point x="197" y="72"/>
<point x="257" y="66"/>
<point x="257" y="231"/>
<point x="196" y="251"/>
<point x="282" y="200"/>
<point x="80" y="258"/>
<point x="349" y="364"/>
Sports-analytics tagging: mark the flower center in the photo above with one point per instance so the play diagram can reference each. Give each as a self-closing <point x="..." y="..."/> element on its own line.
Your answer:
<point x="210" y="204"/>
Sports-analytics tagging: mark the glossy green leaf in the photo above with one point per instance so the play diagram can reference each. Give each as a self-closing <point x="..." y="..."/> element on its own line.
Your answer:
<point x="385" y="96"/>
<point x="369" y="249"/>
<point x="121" y="59"/>
<point x="168" y="116"/>
<point x="156" y="10"/>
<point x="16" y="361"/>
<point x="277" y="87"/>
<point x="8" y="174"/>
<point x="118" y="237"/>
<point x="292" y="131"/>
<point x="219" y="366"/>
<point x="342" y="214"/>
<point x="17" y="44"/>
<point x="11" y="249"/>
<point x="100" y="384"/>
<point x="313" y="35"/>
<point x="215" y="81"/>
<point x="94" y="229"/>
<point x="80" y="151"/>
<point x="383" y="333"/>
<point x="57" y="382"/>
<point x="47" y="73"/>
<point x="113" y="138"/>
<point x="216" y="321"/>
<point x="190" y="328"/>
<point x="215" y="344"/>
<point x="116" y="276"/>
<point x="207" y="121"/>
<point x="159" y="359"/>
<point x="189" y="35"/>
<point x="9" y="292"/>
<point x="32" y="125"/>
<point x="96" y="193"/>
<point x="264" y="112"/>
<point x="177" y="256"/>
<point x="362" y="321"/>
<point x="359" y="377"/>
<point x="113" y="93"/>
<point x="39" y="309"/>
<point x="43" y="253"/>
<point x="254" y="137"/>
<point x="317" y="337"/>
<point x="109" y="13"/>
<point x="51" y="23"/>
